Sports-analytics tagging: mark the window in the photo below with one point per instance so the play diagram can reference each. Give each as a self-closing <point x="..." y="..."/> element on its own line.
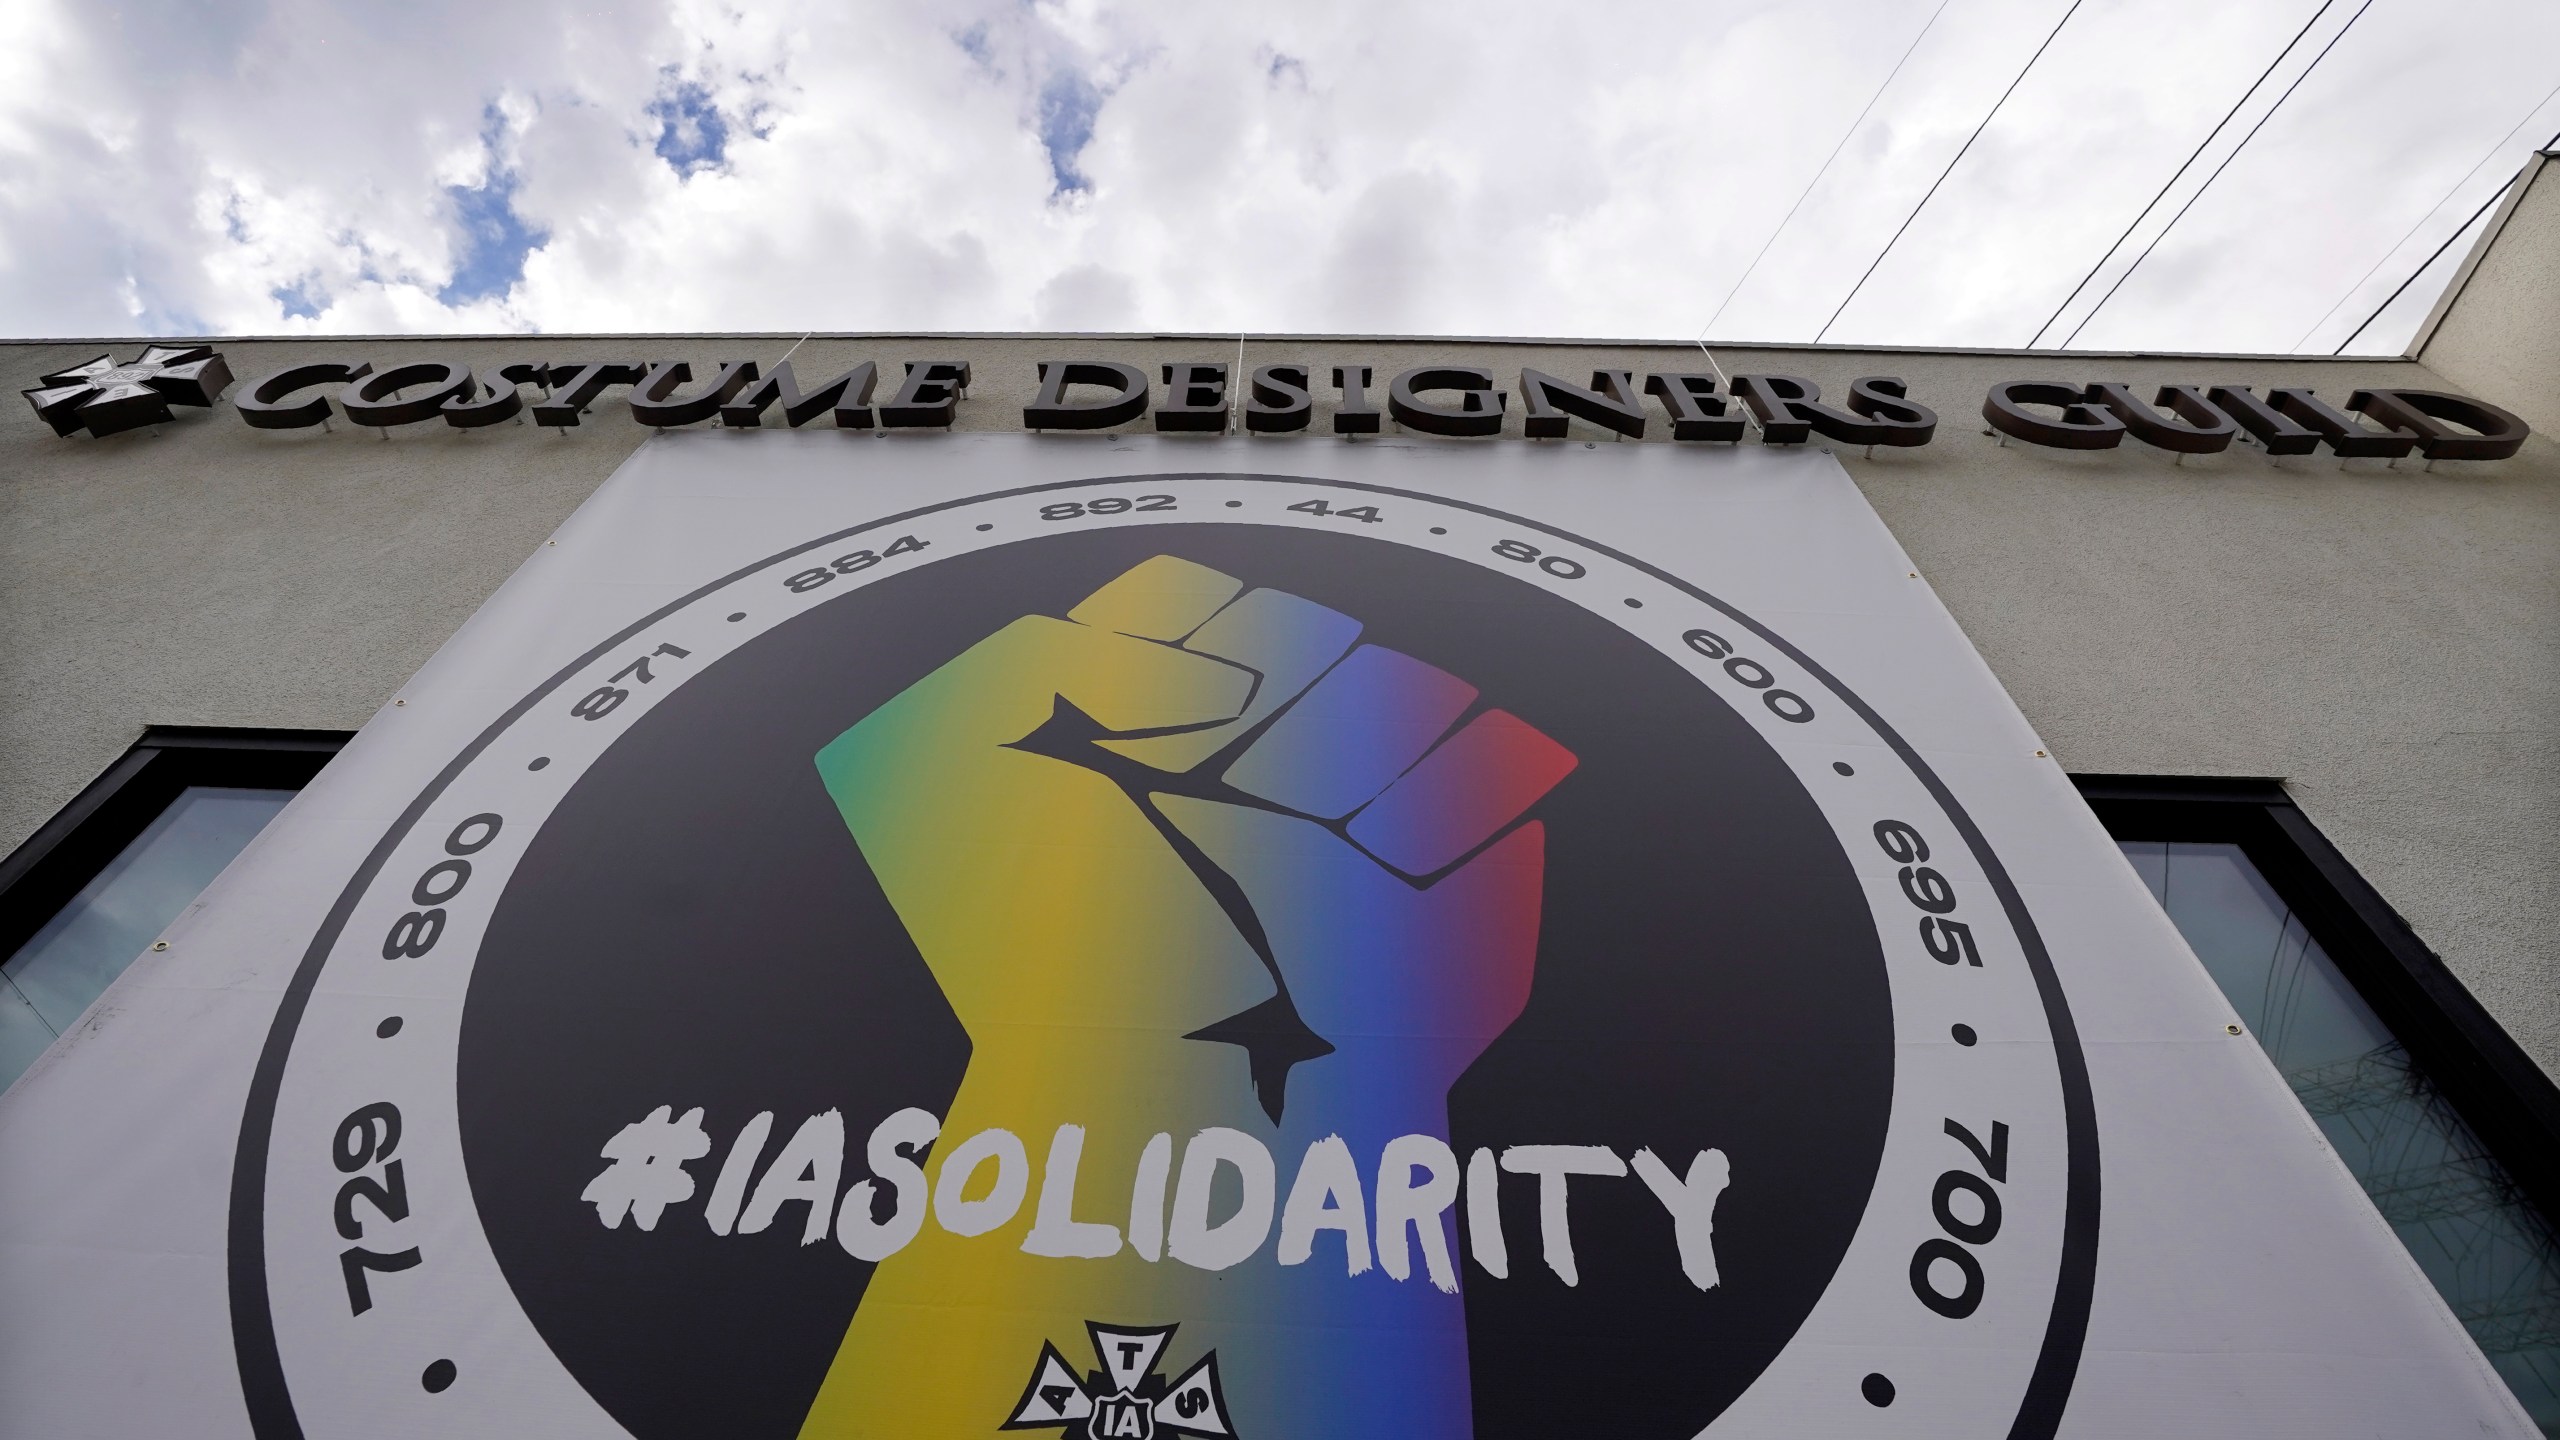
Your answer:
<point x="89" y="891"/>
<point x="2414" y="1086"/>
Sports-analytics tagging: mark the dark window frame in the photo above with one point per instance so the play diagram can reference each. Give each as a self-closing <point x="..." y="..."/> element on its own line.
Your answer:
<point x="69" y="850"/>
<point x="2492" y="1083"/>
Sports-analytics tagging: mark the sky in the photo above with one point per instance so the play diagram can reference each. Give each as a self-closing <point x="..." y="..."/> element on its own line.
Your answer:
<point x="1488" y="168"/>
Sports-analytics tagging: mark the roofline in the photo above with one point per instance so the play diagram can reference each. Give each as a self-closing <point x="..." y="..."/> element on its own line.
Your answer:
<point x="1227" y="337"/>
<point x="2524" y="181"/>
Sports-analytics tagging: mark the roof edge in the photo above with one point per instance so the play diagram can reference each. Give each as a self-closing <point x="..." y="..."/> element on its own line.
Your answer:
<point x="2425" y="334"/>
<point x="1229" y="337"/>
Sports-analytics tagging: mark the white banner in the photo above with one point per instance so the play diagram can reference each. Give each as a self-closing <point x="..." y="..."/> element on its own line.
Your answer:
<point x="1106" y="936"/>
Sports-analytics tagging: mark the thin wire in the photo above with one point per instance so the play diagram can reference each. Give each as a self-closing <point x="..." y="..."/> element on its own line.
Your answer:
<point x="1950" y="170"/>
<point x="2424" y="264"/>
<point x="1825" y="170"/>
<point x="2429" y="215"/>
<point x="2232" y="114"/>
<point x="2216" y="175"/>
<point x="1711" y="362"/>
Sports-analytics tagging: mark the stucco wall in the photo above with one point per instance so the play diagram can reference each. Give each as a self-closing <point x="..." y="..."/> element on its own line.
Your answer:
<point x="2385" y="640"/>
<point x="2499" y="332"/>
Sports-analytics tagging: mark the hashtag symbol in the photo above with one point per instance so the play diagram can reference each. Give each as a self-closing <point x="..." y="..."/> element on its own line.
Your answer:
<point x="647" y="1174"/>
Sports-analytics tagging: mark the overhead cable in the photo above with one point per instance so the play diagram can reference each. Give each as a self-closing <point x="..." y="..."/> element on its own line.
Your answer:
<point x="1825" y="170"/>
<point x="2429" y="215"/>
<point x="1950" y="170"/>
<point x="2431" y="259"/>
<point x="2216" y="175"/>
<point x="2207" y="143"/>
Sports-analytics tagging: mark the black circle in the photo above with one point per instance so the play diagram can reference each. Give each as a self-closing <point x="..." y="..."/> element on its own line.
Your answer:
<point x="986" y="527"/>
<point x="840" y="1012"/>
<point x="388" y="1028"/>
<point x="437" y="1377"/>
<point x="1843" y="767"/>
<point x="2047" y="1392"/>
<point x="1634" y="604"/>
<point x="538" y="762"/>
<point x="1963" y="1033"/>
<point x="1878" y="1390"/>
<point x="737" y="616"/>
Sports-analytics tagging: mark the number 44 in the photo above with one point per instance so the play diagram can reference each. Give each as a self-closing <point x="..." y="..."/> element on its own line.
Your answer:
<point x="1365" y="514"/>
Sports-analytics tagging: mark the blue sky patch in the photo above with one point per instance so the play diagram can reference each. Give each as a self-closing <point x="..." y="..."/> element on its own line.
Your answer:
<point x="495" y="240"/>
<point x="692" y="133"/>
<point x="1068" y="103"/>
<point x="303" y="299"/>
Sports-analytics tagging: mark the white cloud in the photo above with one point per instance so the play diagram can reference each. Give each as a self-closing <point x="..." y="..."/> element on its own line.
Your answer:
<point x="1492" y="168"/>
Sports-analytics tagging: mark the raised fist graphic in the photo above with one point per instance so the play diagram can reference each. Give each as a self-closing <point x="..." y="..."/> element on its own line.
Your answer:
<point x="1190" y="858"/>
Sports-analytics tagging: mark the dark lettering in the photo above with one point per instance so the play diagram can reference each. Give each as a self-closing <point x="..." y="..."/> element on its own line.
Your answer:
<point x="848" y="395"/>
<point x="1611" y="403"/>
<point x="575" y="387"/>
<point x="1278" y="400"/>
<point x="1697" y="411"/>
<point x="2081" y="426"/>
<point x="1478" y="411"/>
<point x="263" y="406"/>
<point x="1050" y="409"/>
<point x="377" y="399"/>
<point x="2193" y="426"/>
<point x="2492" y="433"/>
<point x="1195" y="398"/>
<point x="1355" y="415"/>
<point x="2279" y="432"/>
<point x="654" y="401"/>
<point x="929" y="398"/>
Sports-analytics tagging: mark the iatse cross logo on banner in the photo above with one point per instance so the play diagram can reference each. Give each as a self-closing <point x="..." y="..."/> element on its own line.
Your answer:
<point x="1125" y="1397"/>
<point x="104" y="398"/>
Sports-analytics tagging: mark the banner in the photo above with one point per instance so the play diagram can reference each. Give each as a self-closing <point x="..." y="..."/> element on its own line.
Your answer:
<point x="1108" y="937"/>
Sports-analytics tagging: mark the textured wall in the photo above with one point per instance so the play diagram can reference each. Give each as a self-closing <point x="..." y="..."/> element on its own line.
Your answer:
<point x="2385" y="640"/>
<point x="2500" y="336"/>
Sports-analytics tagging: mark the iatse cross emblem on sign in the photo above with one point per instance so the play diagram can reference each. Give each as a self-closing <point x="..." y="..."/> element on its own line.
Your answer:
<point x="104" y="397"/>
<point x="1125" y="1399"/>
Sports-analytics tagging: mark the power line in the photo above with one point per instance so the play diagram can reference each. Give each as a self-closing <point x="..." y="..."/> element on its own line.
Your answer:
<point x="2182" y="170"/>
<point x="2430" y="260"/>
<point x="1825" y="170"/>
<point x="2429" y="215"/>
<point x="2216" y="175"/>
<point x="1950" y="170"/>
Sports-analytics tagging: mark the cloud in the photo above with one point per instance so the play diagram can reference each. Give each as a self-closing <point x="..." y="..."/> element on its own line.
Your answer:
<point x="1007" y="164"/>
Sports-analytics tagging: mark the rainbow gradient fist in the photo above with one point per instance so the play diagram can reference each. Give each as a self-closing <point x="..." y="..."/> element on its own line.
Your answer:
<point x="1200" y="875"/>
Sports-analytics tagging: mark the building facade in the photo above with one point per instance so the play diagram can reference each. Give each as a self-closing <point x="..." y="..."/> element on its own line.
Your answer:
<point x="2309" y="664"/>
